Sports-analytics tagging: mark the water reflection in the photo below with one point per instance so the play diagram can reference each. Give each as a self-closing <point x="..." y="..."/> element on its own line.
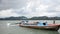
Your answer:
<point x="47" y="32"/>
<point x="35" y="31"/>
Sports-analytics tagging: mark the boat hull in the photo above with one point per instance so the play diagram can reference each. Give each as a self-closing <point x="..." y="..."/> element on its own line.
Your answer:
<point x="53" y="27"/>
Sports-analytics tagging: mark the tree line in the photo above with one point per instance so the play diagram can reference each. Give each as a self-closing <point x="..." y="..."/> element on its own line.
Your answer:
<point x="32" y="18"/>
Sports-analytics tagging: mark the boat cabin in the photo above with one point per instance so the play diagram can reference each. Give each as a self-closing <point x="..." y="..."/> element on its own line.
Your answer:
<point x="42" y="23"/>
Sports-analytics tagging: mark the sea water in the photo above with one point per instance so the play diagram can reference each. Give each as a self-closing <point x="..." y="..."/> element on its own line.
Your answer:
<point x="8" y="27"/>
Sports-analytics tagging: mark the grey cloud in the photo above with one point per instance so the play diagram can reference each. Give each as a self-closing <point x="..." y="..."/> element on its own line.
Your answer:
<point x="47" y="2"/>
<point x="20" y="12"/>
<point x="19" y="4"/>
<point x="56" y="2"/>
<point x="15" y="4"/>
<point x="57" y="13"/>
<point x="51" y="3"/>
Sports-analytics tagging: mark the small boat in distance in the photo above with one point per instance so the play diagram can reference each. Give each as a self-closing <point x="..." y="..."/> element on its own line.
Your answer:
<point x="39" y="25"/>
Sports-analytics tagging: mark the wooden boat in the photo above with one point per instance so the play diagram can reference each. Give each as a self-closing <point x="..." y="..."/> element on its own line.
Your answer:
<point x="54" y="27"/>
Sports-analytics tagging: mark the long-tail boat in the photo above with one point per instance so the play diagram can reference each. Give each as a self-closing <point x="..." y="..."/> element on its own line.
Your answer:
<point x="44" y="26"/>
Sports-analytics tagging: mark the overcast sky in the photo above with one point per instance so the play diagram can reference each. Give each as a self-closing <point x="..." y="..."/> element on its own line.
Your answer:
<point x="29" y="8"/>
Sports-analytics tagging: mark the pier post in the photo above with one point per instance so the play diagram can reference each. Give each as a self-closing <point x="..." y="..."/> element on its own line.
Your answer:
<point x="53" y="20"/>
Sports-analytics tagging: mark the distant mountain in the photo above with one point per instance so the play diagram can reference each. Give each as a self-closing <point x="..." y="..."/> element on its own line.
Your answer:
<point x="33" y="18"/>
<point x="14" y="18"/>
